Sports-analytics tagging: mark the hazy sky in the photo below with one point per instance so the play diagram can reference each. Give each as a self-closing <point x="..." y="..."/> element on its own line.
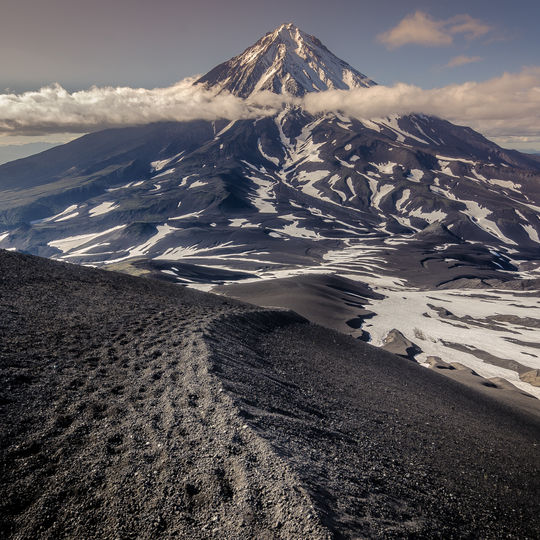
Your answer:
<point x="146" y="44"/>
<point x="141" y="43"/>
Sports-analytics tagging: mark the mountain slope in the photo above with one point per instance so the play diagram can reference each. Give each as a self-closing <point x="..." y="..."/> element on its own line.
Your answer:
<point x="317" y="182"/>
<point x="293" y="179"/>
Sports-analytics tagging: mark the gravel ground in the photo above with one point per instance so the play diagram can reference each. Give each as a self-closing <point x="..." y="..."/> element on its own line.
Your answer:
<point x="131" y="408"/>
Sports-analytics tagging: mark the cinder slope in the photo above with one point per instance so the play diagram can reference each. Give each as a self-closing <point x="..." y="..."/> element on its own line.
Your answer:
<point x="386" y="448"/>
<point x="133" y="408"/>
<point x="112" y="427"/>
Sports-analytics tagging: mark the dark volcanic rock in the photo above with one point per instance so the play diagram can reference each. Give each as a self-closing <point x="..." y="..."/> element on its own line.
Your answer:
<point x="111" y="425"/>
<point x="332" y="301"/>
<point x="438" y="234"/>
<point x="396" y="343"/>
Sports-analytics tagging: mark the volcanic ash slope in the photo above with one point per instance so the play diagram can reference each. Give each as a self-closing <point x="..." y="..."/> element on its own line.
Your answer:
<point x="132" y="408"/>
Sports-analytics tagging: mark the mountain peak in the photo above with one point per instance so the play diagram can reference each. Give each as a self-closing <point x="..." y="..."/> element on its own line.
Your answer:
<point x="286" y="60"/>
<point x="285" y="26"/>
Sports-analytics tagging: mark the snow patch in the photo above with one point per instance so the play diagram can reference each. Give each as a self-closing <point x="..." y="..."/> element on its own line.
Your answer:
<point x="532" y="232"/>
<point x="272" y="159"/>
<point x="385" y="168"/>
<point x="71" y="242"/>
<point x="243" y="223"/>
<point x="68" y="213"/>
<point x="264" y="198"/>
<point x="102" y="208"/>
<point x="197" y="183"/>
<point x="429" y="332"/>
<point x="400" y="203"/>
<point x="415" y="175"/>
<point x="187" y="216"/>
<point x="162" y="163"/>
<point x="505" y="184"/>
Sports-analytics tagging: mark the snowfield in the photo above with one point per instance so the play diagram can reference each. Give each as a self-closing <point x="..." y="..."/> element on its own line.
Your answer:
<point x="484" y="320"/>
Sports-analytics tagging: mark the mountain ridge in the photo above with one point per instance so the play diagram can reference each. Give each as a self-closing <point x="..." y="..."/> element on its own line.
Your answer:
<point x="134" y="408"/>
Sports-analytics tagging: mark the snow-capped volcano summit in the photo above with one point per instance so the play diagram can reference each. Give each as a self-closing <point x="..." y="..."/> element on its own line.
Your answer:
<point x="285" y="60"/>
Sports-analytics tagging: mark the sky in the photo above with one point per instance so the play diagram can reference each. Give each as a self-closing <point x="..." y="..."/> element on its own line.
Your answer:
<point x="145" y="45"/>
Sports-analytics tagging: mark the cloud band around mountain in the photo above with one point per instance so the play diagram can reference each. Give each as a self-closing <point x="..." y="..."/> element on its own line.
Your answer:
<point x="53" y="109"/>
<point x="504" y="107"/>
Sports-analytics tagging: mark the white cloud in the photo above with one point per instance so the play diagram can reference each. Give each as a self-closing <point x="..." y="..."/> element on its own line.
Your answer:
<point x="470" y="27"/>
<point x="524" y="144"/>
<point x="508" y="105"/>
<point x="463" y="60"/>
<point x="421" y="29"/>
<point x="504" y="108"/>
<point x="53" y="109"/>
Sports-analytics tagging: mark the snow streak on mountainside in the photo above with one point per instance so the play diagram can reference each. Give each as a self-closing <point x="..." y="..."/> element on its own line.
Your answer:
<point x="286" y="60"/>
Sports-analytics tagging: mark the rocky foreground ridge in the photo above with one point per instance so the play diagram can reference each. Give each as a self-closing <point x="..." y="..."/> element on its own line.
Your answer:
<point x="135" y="408"/>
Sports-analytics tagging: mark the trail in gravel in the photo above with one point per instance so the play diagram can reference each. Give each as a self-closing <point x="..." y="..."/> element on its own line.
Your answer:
<point x="112" y="425"/>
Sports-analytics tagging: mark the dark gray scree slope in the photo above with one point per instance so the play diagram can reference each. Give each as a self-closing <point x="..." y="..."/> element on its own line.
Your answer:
<point x="132" y="408"/>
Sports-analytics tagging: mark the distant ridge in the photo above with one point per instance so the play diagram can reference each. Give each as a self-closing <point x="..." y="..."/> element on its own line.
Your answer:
<point x="12" y="152"/>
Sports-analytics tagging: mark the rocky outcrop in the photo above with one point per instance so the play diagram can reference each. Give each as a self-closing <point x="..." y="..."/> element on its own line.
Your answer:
<point x="396" y="343"/>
